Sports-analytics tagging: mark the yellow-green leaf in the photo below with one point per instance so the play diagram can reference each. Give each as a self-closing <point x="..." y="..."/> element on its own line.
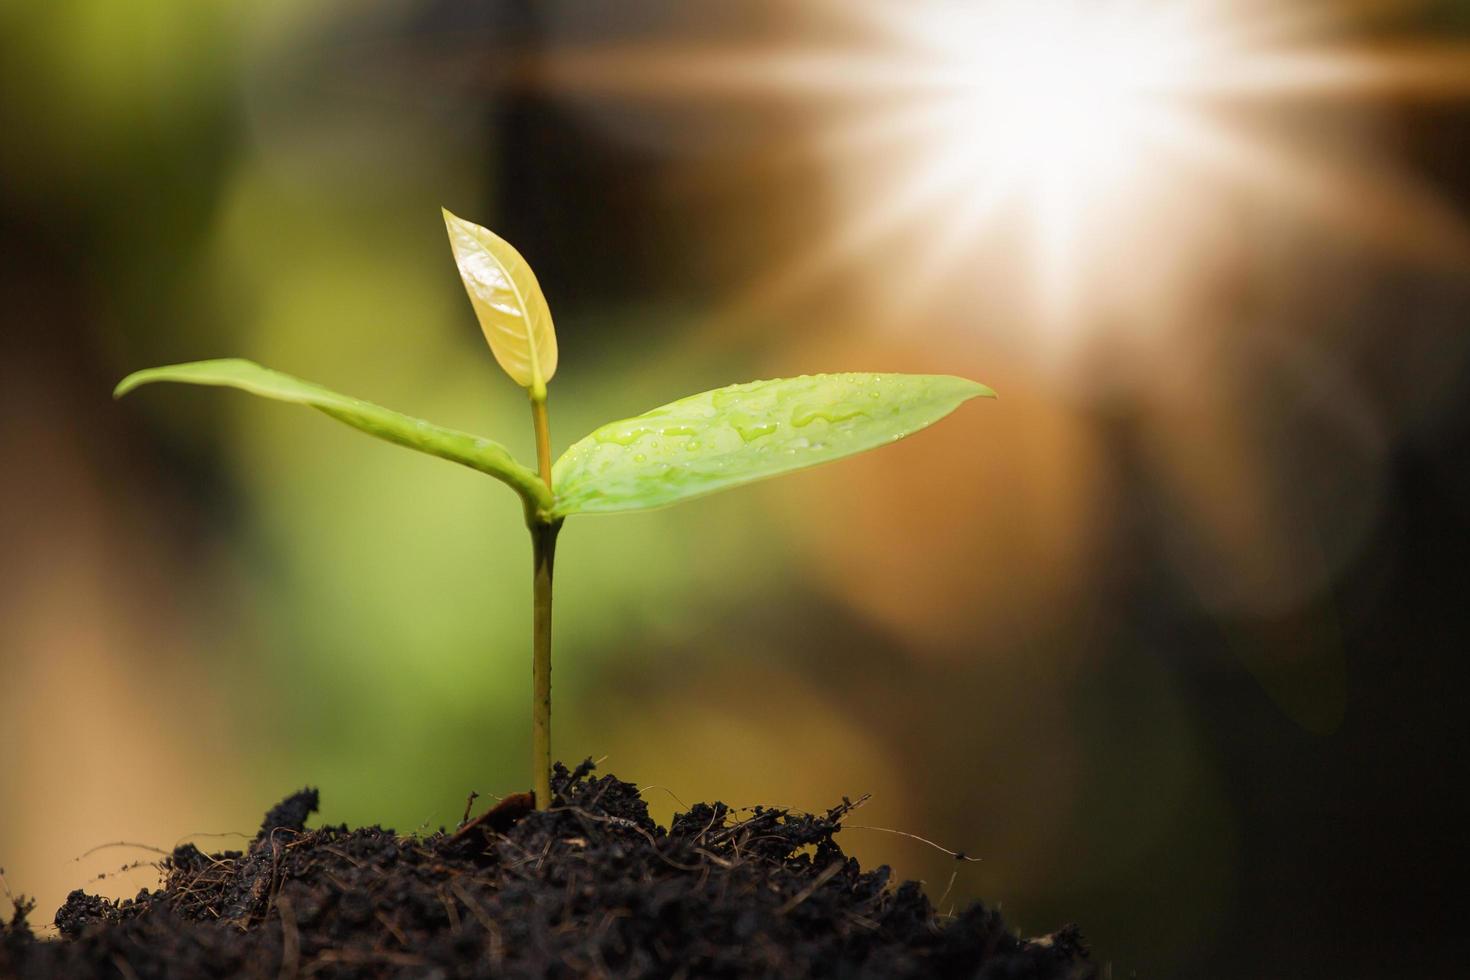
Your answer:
<point x="459" y="447"/>
<point x="747" y="432"/>
<point x="508" y="301"/>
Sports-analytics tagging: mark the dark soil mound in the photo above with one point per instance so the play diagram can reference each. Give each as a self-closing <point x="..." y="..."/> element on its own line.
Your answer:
<point x="590" y="888"/>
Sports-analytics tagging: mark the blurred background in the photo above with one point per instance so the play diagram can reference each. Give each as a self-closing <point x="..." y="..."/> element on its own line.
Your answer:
<point x="1171" y="636"/>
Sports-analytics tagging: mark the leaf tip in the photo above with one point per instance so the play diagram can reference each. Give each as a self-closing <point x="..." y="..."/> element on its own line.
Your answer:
<point x="974" y="389"/>
<point x="129" y="383"/>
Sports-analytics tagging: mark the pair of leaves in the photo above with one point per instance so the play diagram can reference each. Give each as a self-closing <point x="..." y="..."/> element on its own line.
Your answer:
<point x="696" y="445"/>
<point x="687" y="448"/>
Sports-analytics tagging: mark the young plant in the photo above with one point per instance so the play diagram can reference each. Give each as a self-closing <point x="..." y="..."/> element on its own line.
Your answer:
<point x="685" y="449"/>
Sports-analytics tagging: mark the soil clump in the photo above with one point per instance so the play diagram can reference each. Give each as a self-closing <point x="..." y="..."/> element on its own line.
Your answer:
<point x="590" y="888"/>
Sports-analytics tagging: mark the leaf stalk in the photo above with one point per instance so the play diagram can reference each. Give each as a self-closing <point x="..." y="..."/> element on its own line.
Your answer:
<point x="543" y="436"/>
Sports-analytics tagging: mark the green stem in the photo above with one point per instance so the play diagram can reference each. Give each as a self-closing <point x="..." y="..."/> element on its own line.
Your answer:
<point x="543" y="556"/>
<point x="543" y="438"/>
<point x="543" y="548"/>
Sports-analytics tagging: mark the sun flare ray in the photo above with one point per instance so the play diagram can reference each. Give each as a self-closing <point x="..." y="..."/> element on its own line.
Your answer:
<point x="1072" y="124"/>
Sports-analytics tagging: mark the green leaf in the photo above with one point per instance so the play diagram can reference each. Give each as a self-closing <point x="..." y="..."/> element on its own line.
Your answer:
<point x="747" y="432"/>
<point x="508" y="301"/>
<point x="459" y="447"/>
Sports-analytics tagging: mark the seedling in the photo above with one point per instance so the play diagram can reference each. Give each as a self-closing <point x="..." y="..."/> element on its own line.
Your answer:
<point x="685" y="449"/>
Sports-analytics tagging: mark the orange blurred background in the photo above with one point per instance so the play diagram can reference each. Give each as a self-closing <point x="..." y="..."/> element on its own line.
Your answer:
<point x="1168" y="635"/>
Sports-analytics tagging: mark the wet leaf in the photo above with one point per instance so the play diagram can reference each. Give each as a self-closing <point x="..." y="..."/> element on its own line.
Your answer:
<point x="459" y="447"/>
<point x="508" y="301"/>
<point x="747" y="432"/>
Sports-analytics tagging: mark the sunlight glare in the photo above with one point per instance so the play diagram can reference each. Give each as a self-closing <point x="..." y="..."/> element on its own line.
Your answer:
<point x="1087" y="161"/>
<point x="1052" y="108"/>
<point x="1042" y="91"/>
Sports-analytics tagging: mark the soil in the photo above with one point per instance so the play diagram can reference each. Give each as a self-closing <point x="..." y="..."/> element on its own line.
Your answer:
<point x="590" y="888"/>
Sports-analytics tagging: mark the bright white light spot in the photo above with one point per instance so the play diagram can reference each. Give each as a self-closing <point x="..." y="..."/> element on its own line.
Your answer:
<point x="1080" y="164"/>
<point x="1052" y="105"/>
<point x="1042" y="90"/>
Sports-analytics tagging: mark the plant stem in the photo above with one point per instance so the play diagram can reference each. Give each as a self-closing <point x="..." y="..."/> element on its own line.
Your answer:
<point x="543" y="438"/>
<point x="543" y="548"/>
<point x="543" y="557"/>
